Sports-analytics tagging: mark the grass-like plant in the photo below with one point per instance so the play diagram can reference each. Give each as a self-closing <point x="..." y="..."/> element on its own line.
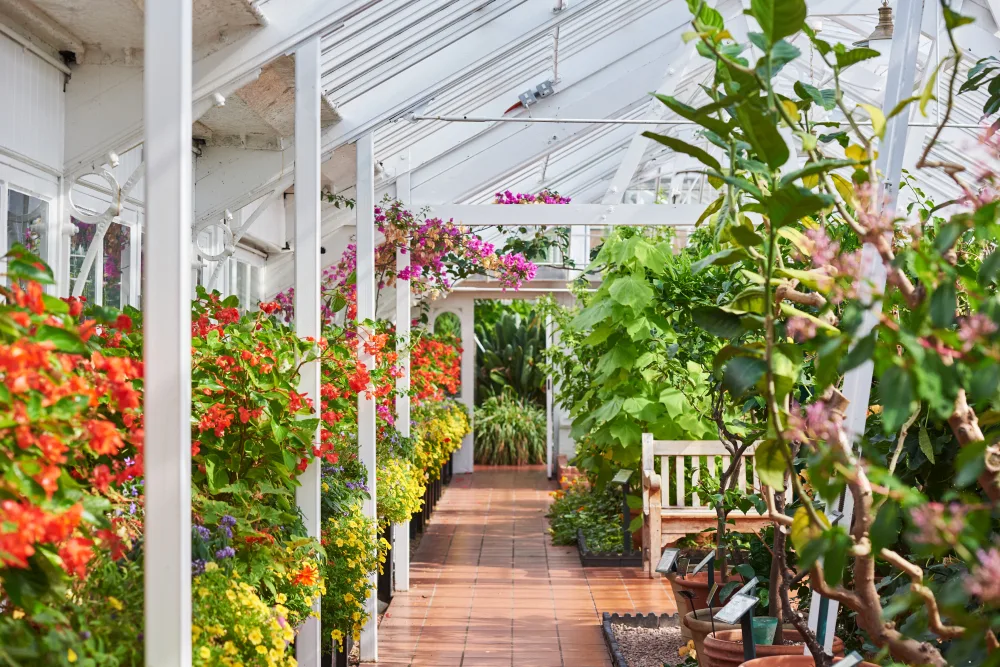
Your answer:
<point x="509" y="431"/>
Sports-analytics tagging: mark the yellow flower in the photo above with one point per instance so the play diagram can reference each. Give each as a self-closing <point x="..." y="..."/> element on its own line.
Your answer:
<point x="231" y="596"/>
<point x="255" y="637"/>
<point x="71" y="655"/>
<point x="195" y="631"/>
<point x="203" y="592"/>
<point x="281" y="598"/>
<point x="230" y="648"/>
<point x="204" y="653"/>
<point x="211" y="567"/>
<point x="308" y="601"/>
<point x="261" y="650"/>
<point x="115" y="603"/>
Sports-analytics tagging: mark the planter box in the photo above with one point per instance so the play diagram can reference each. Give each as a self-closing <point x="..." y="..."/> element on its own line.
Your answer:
<point x="605" y="559"/>
<point x="636" y="621"/>
<point x="340" y="658"/>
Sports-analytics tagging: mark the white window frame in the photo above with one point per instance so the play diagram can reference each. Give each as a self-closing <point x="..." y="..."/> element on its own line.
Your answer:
<point x="26" y="180"/>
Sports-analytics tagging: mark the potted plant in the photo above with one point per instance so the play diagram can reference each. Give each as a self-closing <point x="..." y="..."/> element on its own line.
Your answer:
<point x="817" y="313"/>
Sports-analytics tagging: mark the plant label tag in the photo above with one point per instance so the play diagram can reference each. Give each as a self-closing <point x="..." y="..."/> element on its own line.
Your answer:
<point x="668" y="562"/>
<point x="622" y="476"/>
<point x="749" y="587"/>
<point x="738" y="606"/>
<point x="711" y="593"/>
<point x="850" y="661"/>
<point x="708" y="559"/>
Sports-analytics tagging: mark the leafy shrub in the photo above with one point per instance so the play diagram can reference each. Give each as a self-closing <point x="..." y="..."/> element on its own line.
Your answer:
<point x="511" y="355"/>
<point x="596" y="512"/>
<point x="509" y="431"/>
<point x="440" y="427"/>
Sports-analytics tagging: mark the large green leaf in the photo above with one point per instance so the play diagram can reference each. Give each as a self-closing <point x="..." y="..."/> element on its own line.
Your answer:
<point x="826" y="98"/>
<point x="609" y="410"/>
<point x="791" y="203"/>
<point x="741" y="373"/>
<point x="944" y="301"/>
<point x="846" y="58"/>
<point x="695" y="115"/>
<point x="679" y="146"/>
<point x="895" y="389"/>
<point x="717" y="321"/>
<point x="626" y="431"/>
<point x="632" y="291"/>
<point x="64" y="341"/>
<point x="779" y="18"/>
<point x="721" y="258"/>
<point x="762" y="133"/>
<point x="769" y="461"/>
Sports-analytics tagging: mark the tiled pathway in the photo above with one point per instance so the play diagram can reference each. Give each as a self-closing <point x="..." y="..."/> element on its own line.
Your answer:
<point x="488" y="588"/>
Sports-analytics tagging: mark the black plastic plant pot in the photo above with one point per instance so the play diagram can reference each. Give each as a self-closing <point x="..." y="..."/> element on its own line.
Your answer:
<point x="590" y="558"/>
<point x="385" y="575"/>
<point x="343" y="654"/>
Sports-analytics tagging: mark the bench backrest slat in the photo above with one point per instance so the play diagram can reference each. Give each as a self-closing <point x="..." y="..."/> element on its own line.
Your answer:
<point x="704" y="458"/>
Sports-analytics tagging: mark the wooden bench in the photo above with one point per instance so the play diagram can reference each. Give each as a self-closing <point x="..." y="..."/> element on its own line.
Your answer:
<point x="671" y="506"/>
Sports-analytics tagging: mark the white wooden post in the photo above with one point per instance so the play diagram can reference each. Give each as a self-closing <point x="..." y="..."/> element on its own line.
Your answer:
<point x="401" y="531"/>
<point x="167" y="324"/>
<point x="366" y="311"/>
<point x="308" y="322"/>
<point x="858" y="381"/>
<point x="549" y="405"/>
<point x="463" y="460"/>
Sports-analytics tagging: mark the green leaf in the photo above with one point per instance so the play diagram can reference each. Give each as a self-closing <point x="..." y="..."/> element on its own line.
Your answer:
<point x="770" y="463"/>
<point x="877" y="118"/>
<point x="627" y="432"/>
<point x="721" y="258"/>
<point x="741" y="373"/>
<point x="827" y="98"/>
<point x="750" y="300"/>
<point x="717" y="321"/>
<point x="924" y="440"/>
<point x="631" y="291"/>
<point x="791" y="203"/>
<point x="813" y="168"/>
<point x="944" y="301"/>
<point x="679" y="146"/>
<point x="947" y="235"/>
<point x="895" y="389"/>
<point x="779" y="18"/>
<point x="762" y="133"/>
<point x="990" y="267"/>
<point x="695" y="115"/>
<point x="854" y="56"/>
<point x="859" y="354"/>
<point x="928" y="93"/>
<point x="636" y="404"/>
<point x="64" y="341"/>
<point x="674" y="401"/>
<point x="789" y="310"/>
<point x="885" y="529"/>
<point x="835" y="555"/>
<point x="609" y="410"/>
<point x="970" y="463"/>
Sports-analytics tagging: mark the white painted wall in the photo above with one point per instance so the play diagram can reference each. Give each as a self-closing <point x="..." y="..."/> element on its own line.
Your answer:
<point x="33" y="109"/>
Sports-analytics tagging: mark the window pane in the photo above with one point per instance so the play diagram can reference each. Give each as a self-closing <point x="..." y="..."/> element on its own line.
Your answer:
<point x="116" y="263"/>
<point x="26" y="218"/>
<point x="78" y="245"/>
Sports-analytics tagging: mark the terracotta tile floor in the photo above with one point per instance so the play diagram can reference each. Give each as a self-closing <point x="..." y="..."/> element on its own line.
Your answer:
<point x="489" y="588"/>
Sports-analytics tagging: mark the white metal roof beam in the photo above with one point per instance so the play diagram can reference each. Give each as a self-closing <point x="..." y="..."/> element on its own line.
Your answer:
<point x="104" y="103"/>
<point x="506" y="147"/>
<point x="467" y="54"/>
<point x="569" y="215"/>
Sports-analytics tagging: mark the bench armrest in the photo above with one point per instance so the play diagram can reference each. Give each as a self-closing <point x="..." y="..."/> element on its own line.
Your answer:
<point x="650" y="480"/>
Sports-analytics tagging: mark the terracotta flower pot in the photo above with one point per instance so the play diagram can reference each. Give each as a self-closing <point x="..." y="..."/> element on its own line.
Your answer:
<point x="791" y="661"/>
<point x="697" y="584"/>
<point x="725" y="649"/>
<point x="698" y="625"/>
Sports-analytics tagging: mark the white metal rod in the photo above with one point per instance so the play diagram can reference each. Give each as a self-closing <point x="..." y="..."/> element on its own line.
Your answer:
<point x="634" y="121"/>
<point x="401" y="532"/>
<point x="308" y="322"/>
<point x="365" y="210"/>
<point x="549" y="457"/>
<point x="858" y="381"/>
<point x="167" y="325"/>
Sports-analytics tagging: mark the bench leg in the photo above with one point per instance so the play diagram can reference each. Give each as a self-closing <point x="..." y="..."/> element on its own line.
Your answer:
<point x="655" y="527"/>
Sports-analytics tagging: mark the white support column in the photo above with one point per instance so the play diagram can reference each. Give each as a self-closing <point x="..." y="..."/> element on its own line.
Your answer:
<point x="464" y="459"/>
<point x="308" y="322"/>
<point x="167" y="347"/>
<point x="401" y="531"/>
<point x="365" y="272"/>
<point x="549" y="405"/>
<point x="858" y="381"/>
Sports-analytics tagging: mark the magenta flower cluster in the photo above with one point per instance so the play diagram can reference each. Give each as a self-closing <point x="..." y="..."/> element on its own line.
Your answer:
<point x="543" y="197"/>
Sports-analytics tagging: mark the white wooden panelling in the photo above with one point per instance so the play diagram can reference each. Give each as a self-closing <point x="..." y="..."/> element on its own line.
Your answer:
<point x="33" y="109"/>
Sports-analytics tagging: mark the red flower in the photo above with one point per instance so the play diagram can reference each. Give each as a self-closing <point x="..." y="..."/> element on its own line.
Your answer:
<point x="104" y="437"/>
<point x="123" y="322"/>
<point x="102" y="478"/>
<point x="75" y="555"/>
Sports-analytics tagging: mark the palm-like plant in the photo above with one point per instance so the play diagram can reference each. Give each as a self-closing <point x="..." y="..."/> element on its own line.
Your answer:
<point x="508" y="356"/>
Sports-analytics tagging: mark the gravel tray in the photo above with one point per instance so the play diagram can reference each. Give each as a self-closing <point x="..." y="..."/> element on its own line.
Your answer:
<point x="643" y="640"/>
